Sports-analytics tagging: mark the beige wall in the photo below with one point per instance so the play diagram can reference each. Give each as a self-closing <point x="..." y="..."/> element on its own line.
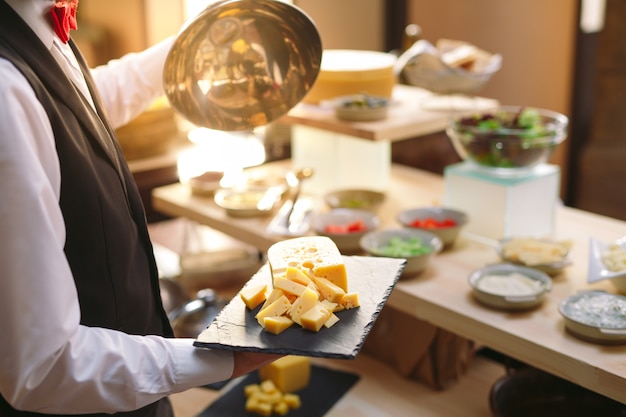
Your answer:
<point x="347" y="24"/>
<point x="537" y="59"/>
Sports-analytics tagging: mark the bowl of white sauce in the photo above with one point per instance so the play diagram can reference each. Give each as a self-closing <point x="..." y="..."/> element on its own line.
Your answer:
<point x="595" y="316"/>
<point x="510" y="287"/>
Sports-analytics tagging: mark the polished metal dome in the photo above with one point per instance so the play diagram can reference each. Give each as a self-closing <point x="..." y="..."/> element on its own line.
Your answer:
<point x="242" y="63"/>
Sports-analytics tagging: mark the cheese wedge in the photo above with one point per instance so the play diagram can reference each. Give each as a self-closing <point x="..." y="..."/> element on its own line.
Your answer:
<point x="319" y="254"/>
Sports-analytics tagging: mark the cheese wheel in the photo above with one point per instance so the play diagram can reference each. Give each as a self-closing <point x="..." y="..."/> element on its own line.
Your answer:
<point x="347" y="72"/>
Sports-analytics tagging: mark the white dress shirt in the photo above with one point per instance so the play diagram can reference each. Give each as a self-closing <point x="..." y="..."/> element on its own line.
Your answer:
<point x="49" y="362"/>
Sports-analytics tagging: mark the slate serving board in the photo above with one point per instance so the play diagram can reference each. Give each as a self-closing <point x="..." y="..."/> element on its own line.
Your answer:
<point x="325" y="388"/>
<point x="373" y="278"/>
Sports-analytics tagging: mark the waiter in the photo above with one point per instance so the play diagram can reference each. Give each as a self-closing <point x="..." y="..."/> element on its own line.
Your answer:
<point x="82" y="325"/>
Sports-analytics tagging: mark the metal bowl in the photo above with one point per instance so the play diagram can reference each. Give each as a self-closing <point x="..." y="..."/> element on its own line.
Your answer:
<point x="242" y="63"/>
<point x="345" y="227"/>
<point x="402" y="243"/>
<point x="448" y="233"/>
<point x="595" y="316"/>
<point x="355" y="199"/>
<point x="493" y="286"/>
<point x="547" y="255"/>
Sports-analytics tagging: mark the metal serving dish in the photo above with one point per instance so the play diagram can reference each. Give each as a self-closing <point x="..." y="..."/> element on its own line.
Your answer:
<point x="242" y="63"/>
<point x="547" y="255"/>
<point x="595" y="316"/>
<point x="507" y="281"/>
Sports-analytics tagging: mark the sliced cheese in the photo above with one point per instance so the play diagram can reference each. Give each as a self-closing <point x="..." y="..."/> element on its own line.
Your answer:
<point x="297" y="275"/>
<point x="290" y="373"/>
<point x="252" y="296"/>
<point x="273" y="296"/>
<point x="277" y="324"/>
<point x="319" y="254"/>
<point x="332" y="320"/>
<point x="277" y="308"/>
<point x="315" y="317"/>
<point x="328" y="290"/>
<point x="304" y="303"/>
<point x="289" y="286"/>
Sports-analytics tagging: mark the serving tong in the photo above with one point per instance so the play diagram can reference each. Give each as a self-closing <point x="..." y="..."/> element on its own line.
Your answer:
<point x="293" y="217"/>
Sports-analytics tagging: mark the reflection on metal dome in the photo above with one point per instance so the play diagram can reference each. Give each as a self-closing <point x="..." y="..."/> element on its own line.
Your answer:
<point x="241" y="64"/>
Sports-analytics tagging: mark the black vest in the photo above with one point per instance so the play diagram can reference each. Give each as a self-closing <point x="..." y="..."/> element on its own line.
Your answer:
<point x="107" y="244"/>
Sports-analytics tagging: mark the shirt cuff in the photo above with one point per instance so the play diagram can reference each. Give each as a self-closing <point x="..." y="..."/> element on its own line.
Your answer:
<point x="200" y="366"/>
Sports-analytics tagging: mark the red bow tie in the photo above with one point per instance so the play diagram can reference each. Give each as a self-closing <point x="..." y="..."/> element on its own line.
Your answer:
<point x="64" y="18"/>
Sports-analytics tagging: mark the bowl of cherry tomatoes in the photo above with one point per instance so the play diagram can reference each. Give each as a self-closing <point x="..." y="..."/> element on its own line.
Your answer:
<point x="345" y="227"/>
<point x="444" y="222"/>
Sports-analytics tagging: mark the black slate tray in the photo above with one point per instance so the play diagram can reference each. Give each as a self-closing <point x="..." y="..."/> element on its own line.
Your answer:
<point x="373" y="278"/>
<point x="325" y="388"/>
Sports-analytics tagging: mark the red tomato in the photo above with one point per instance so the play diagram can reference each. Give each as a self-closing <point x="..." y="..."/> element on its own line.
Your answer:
<point x="356" y="226"/>
<point x="432" y="223"/>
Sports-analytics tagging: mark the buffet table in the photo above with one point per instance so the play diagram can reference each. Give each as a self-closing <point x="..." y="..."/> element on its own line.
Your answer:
<point x="441" y="294"/>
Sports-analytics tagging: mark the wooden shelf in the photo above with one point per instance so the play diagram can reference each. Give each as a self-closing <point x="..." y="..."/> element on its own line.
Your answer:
<point x="409" y="115"/>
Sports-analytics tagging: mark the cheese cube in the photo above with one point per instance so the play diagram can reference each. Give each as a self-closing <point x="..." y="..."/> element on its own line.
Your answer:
<point x="277" y="325"/>
<point x="316" y="253"/>
<point x="350" y="300"/>
<point x="277" y="308"/>
<point x="292" y="400"/>
<point x="289" y="373"/>
<point x="281" y="408"/>
<point x="315" y="318"/>
<point x="252" y="296"/>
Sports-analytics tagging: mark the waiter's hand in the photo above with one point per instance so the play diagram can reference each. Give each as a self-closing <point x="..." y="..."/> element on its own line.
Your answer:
<point x="246" y="362"/>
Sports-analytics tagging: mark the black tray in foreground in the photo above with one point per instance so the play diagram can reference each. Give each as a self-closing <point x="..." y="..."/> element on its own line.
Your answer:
<point x="373" y="278"/>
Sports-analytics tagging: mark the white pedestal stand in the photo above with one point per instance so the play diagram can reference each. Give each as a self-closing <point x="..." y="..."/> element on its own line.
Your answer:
<point x="500" y="207"/>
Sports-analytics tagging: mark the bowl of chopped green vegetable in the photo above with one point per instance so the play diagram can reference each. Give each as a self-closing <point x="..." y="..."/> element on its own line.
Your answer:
<point x="415" y="245"/>
<point x="510" y="140"/>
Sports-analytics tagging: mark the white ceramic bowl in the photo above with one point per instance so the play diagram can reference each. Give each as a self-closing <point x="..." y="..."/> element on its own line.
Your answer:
<point x="345" y="227"/>
<point x="435" y="220"/>
<point x="395" y="243"/>
<point x="509" y="287"/>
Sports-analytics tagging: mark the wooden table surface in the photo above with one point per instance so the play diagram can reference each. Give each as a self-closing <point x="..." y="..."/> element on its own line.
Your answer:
<point x="381" y="392"/>
<point x="441" y="295"/>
